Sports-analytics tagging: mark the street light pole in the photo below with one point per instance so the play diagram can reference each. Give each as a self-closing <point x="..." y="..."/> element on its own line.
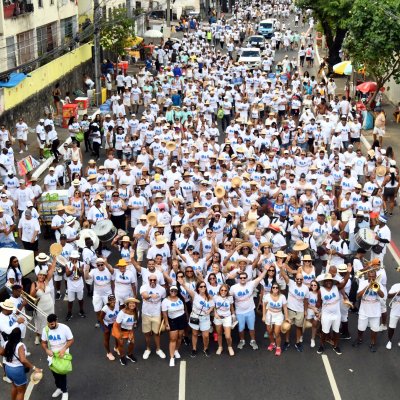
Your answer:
<point x="168" y="13"/>
<point x="96" y="45"/>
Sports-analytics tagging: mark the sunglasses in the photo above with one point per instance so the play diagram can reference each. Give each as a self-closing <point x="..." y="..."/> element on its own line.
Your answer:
<point x="275" y="287"/>
<point x="298" y="279"/>
<point x="271" y="270"/>
<point x="100" y="265"/>
<point x="313" y="285"/>
<point x="173" y="290"/>
<point x="202" y="286"/>
<point x="243" y="277"/>
<point x="191" y="272"/>
<point x="212" y="279"/>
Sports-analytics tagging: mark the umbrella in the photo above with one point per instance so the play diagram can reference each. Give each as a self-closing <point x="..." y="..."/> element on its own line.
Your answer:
<point x="368" y="87"/>
<point x="343" y="68"/>
<point x="153" y="33"/>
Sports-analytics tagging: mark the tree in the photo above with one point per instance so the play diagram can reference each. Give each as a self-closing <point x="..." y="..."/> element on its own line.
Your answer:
<point x="116" y="31"/>
<point x="332" y="16"/>
<point x="373" y="40"/>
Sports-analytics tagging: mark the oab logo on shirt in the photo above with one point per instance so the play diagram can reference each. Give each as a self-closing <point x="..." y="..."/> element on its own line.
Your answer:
<point x="243" y="293"/>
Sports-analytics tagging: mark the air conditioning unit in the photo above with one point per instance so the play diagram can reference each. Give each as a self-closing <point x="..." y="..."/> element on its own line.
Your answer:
<point x="29" y="8"/>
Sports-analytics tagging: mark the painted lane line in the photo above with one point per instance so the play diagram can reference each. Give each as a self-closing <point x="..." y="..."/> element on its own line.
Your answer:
<point x="182" y="380"/>
<point x="331" y="378"/>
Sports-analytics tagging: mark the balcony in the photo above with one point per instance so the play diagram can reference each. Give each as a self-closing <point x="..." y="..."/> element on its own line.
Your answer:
<point x="17" y="8"/>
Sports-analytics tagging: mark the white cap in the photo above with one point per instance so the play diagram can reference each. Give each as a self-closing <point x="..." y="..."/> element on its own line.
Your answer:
<point x="29" y="204"/>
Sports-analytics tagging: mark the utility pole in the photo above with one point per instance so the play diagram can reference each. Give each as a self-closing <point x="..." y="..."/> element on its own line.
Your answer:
<point x="168" y="13"/>
<point x="129" y="8"/>
<point x="96" y="45"/>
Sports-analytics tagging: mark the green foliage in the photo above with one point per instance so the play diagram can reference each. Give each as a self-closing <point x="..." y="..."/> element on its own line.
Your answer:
<point x="373" y="39"/>
<point x="116" y="31"/>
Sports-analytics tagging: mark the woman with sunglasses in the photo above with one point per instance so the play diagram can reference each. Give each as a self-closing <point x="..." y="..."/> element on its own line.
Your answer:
<point x="216" y="269"/>
<point x="223" y="318"/>
<point x="108" y="316"/>
<point x="77" y="202"/>
<point x="117" y="208"/>
<point x="173" y="311"/>
<point x="307" y="269"/>
<point x="274" y="312"/>
<point x="123" y="330"/>
<point x="199" y="319"/>
<point x="312" y="315"/>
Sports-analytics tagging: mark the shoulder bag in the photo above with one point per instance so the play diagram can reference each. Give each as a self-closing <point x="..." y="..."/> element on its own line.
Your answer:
<point x="59" y="365"/>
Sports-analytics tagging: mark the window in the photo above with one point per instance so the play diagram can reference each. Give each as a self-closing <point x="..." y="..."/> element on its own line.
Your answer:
<point x="26" y="46"/>
<point x="67" y="29"/>
<point x="46" y="38"/>
<point x="11" y="56"/>
<point x="40" y="3"/>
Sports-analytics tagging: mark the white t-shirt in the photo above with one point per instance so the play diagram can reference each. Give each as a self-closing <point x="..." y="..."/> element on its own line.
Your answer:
<point x="243" y="296"/>
<point x="274" y="306"/>
<point x="223" y="305"/>
<point x="370" y="305"/>
<point x="395" y="301"/>
<point x="330" y="302"/>
<point x="152" y="306"/>
<point x="58" y="337"/>
<point x="296" y="296"/>
<point x="110" y="316"/>
<point x="174" y="308"/>
<point x="201" y="306"/>
<point x="126" y="320"/>
<point x="101" y="281"/>
<point x="28" y="228"/>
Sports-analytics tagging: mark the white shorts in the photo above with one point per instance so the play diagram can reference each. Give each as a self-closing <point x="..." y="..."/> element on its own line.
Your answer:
<point x="344" y="312"/>
<point x="373" y="322"/>
<point x="226" y="322"/>
<point x="140" y="253"/>
<point x="122" y="297"/>
<point x="22" y="136"/>
<point x="58" y="278"/>
<point x="379" y="131"/>
<point x="72" y="295"/>
<point x="274" y="318"/>
<point x="99" y="302"/>
<point x="204" y="325"/>
<point x="329" y="322"/>
<point x="41" y="145"/>
<point x="393" y="320"/>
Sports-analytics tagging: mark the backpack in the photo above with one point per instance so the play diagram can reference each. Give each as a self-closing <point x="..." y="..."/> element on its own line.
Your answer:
<point x="220" y="113"/>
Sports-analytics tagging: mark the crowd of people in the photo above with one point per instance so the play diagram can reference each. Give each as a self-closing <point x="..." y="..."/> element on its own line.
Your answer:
<point x="235" y="194"/>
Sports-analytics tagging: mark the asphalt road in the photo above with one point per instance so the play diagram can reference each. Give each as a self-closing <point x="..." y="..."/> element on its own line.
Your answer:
<point x="358" y="373"/>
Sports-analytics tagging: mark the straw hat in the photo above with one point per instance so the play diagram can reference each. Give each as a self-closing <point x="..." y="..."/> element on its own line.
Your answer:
<point x="55" y="249"/>
<point x="381" y="170"/>
<point x="125" y="239"/>
<point x="186" y="226"/>
<point x="236" y="182"/>
<point x="219" y="192"/>
<point x="285" y="327"/>
<point x="60" y="207"/>
<point x="251" y="225"/>
<point x="280" y="254"/>
<point x="230" y="265"/>
<point x="70" y="210"/>
<point x="326" y="277"/>
<point x="160" y="240"/>
<point x="242" y="259"/>
<point x="341" y="268"/>
<point x="198" y="205"/>
<point x="121" y="263"/>
<point x="152" y="218"/>
<point x="275" y="227"/>
<point x="70" y="219"/>
<point x="265" y="244"/>
<point x="300" y="246"/>
<point x="305" y="229"/>
<point x="171" y="146"/>
<point x="42" y="257"/>
<point x="7" y="305"/>
<point x="131" y="300"/>
<point x="246" y="244"/>
<point x="92" y="176"/>
<point x="307" y="257"/>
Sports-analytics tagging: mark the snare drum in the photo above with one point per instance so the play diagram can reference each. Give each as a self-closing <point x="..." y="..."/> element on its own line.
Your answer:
<point x="105" y="230"/>
<point x="365" y="238"/>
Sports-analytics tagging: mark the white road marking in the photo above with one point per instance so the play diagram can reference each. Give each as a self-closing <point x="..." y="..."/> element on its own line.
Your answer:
<point x="182" y="380"/>
<point x="332" y="381"/>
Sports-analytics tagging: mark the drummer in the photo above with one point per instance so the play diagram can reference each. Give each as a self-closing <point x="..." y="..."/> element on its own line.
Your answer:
<point x="98" y="211"/>
<point x="71" y="231"/>
<point x="353" y="227"/>
<point x="58" y="221"/>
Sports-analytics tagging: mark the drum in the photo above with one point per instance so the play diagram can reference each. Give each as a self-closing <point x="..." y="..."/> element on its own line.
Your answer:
<point x="77" y="226"/>
<point x="83" y="234"/>
<point x="105" y="230"/>
<point x="365" y="238"/>
<point x="61" y="263"/>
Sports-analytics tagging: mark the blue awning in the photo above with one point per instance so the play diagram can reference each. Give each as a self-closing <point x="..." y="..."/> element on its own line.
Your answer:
<point x="15" y="79"/>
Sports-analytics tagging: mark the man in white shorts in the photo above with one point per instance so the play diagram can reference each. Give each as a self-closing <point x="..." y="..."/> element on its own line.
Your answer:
<point x="394" y="295"/>
<point x="369" y="313"/>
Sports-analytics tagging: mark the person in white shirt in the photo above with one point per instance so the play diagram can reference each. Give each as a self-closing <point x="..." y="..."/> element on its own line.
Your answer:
<point x="394" y="296"/>
<point x="22" y="195"/>
<point x="29" y="229"/>
<point x="50" y="180"/>
<point x="22" y="134"/>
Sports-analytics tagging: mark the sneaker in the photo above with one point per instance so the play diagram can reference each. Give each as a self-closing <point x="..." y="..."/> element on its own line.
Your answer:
<point x="345" y="336"/>
<point x="7" y="379"/>
<point x="357" y="343"/>
<point x="389" y="345"/>
<point x="193" y="353"/>
<point x="58" y="296"/>
<point x="122" y="360"/>
<point x="231" y="351"/>
<point x="27" y="353"/>
<point x="301" y="339"/>
<point x="337" y="350"/>
<point x="383" y="328"/>
<point x="21" y="152"/>
<point x="172" y="362"/>
<point x="65" y="297"/>
<point x="219" y="351"/>
<point x="186" y="341"/>
<point x="285" y="346"/>
<point x="312" y="345"/>
<point x="271" y="347"/>
<point x="299" y="347"/>
<point x="110" y="356"/>
<point x="372" y="348"/>
<point x="116" y="350"/>
<point x="68" y="317"/>
<point x="241" y="344"/>
<point x="64" y="396"/>
<point x="146" y="354"/>
<point x="37" y="340"/>
<point x="253" y="344"/>
<point x="320" y="349"/>
<point x="57" y="393"/>
<point x="82" y="315"/>
<point x="215" y="336"/>
<point x="97" y="325"/>
<point x="206" y="352"/>
<point x="266" y="335"/>
<point x="177" y="355"/>
<point x="160" y="354"/>
<point x="131" y="358"/>
<point x="278" y="351"/>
